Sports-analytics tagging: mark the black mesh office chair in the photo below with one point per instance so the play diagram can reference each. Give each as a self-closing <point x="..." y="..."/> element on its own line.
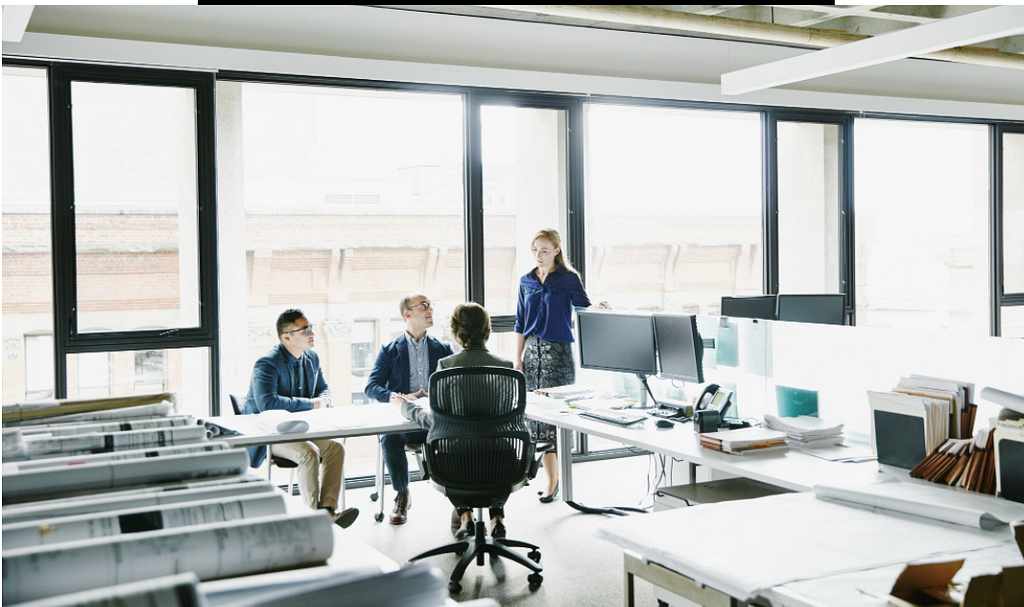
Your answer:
<point x="477" y="453"/>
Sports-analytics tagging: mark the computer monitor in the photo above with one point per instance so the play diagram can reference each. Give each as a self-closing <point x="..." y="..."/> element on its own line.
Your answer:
<point x="757" y="306"/>
<point x="680" y="347"/>
<point x="617" y="342"/>
<point x="827" y="309"/>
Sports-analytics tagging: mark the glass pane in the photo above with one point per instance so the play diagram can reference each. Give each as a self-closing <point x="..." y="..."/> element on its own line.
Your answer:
<point x="348" y="201"/>
<point x="1013" y="213"/>
<point x="809" y="182"/>
<point x="673" y="207"/>
<point x="524" y="174"/>
<point x="1012" y="322"/>
<point x="185" y="372"/>
<point x="136" y="211"/>
<point x="922" y="225"/>
<point x="27" y="279"/>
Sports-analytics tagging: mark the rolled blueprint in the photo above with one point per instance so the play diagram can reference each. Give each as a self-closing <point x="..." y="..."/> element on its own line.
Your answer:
<point x="63" y="529"/>
<point x="78" y="460"/>
<point x="158" y="410"/>
<point x="105" y="476"/>
<point x="210" y="551"/>
<point x="36" y="446"/>
<point x="104" y="427"/>
<point x="180" y="590"/>
<point x="1004" y="399"/>
<point x="151" y="496"/>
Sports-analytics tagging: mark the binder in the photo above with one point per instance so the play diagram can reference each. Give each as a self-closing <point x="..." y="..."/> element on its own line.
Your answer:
<point x="899" y="439"/>
<point x="1009" y="448"/>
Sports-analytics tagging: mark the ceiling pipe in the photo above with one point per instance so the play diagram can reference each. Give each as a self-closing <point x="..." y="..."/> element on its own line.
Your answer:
<point x="645" y="17"/>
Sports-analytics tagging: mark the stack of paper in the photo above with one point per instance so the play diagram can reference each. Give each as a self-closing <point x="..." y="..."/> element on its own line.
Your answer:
<point x="804" y="431"/>
<point x="956" y="393"/>
<point x="744" y="440"/>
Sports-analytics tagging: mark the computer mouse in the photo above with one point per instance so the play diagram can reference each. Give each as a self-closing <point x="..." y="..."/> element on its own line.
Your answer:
<point x="663" y="423"/>
<point x="291" y="426"/>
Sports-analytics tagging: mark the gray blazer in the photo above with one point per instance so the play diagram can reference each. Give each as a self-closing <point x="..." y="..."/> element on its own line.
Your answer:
<point x="469" y="357"/>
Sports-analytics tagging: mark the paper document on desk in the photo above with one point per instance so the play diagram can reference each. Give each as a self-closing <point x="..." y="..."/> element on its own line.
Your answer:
<point x="745" y="547"/>
<point x="938" y="503"/>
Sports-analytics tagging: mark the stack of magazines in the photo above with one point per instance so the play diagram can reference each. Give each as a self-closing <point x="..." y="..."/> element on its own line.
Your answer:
<point x="804" y="432"/>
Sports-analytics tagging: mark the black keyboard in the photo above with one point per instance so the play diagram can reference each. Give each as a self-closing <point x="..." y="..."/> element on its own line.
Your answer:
<point x="614" y="417"/>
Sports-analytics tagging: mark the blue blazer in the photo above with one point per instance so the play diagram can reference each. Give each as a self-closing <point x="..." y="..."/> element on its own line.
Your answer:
<point x="271" y="388"/>
<point x="391" y="371"/>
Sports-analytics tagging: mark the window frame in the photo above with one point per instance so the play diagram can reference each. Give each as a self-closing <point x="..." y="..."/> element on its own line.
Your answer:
<point x="65" y="288"/>
<point x="1000" y="298"/>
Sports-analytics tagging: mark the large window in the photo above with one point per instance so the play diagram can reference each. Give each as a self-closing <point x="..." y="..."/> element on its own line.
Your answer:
<point x="27" y="280"/>
<point x="350" y="200"/>
<point x="1012" y="224"/>
<point x="922" y="225"/>
<point x="673" y="207"/>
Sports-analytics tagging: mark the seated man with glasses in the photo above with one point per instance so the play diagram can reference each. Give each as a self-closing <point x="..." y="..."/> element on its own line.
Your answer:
<point x="288" y="377"/>
<point x="403" y="369"/>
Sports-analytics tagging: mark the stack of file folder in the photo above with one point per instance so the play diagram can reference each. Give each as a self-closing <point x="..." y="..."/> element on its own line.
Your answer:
<point x="744" y="440"/>
<point x="805" y="432"/>
<point x="916" y="418"/>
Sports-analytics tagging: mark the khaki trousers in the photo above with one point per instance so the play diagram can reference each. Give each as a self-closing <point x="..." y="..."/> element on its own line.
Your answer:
<point x="319" y="490"/>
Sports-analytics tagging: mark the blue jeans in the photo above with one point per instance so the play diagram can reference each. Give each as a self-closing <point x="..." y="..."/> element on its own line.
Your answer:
<point x="395" y="457"/>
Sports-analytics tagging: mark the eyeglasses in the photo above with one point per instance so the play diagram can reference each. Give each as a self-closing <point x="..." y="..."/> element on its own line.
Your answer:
<point x="307" y="330"/>
<point x="426" y="305"/>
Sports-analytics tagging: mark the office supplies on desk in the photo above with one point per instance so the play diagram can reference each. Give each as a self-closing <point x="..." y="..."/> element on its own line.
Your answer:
<point x="906" y="428"/>
<point x="745" y="440"/>
<point x="794" y="402"/>
<point x="564" y="391"/>
<point x="926" y="584"/>
<point x="614" y="417"/>
<point x="1009" y="454"/>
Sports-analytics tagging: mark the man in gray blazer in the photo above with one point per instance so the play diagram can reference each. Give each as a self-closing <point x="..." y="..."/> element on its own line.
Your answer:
<point x="471" y="327"/>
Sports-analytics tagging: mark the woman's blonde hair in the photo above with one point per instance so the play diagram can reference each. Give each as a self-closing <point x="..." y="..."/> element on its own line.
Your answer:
<point x="471" y="324"/>
<point x="553" y="237"/>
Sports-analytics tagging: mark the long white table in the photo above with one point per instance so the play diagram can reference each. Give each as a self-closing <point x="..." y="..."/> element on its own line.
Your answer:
<point x="333" y="422"/>
<point x="790" y="469"/>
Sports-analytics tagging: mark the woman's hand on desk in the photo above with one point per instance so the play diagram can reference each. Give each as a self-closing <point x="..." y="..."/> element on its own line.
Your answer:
<point x="603" y="305"/>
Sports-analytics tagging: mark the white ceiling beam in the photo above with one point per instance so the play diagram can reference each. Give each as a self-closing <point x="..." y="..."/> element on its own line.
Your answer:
<point x="16" y="21"/>
<point x="983" y="25"/>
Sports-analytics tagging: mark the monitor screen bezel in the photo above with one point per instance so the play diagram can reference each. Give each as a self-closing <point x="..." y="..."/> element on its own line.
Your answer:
<point x="580" y="314"/>
<point x="698" y="345"/>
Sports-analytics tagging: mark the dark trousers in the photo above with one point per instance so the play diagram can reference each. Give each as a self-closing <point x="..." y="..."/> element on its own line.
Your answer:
<point x="395" y="458"/>
<point x="496" y="511"/>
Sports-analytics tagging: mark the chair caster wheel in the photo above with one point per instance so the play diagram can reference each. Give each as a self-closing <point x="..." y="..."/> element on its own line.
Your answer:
<point x="535" y="579"/>
<point x="459" y="554"/>
<point x="534" y="556"/>
<point x="454" y="587"/>
<point x="378" y="517"/>
<point x="374" y="496"/>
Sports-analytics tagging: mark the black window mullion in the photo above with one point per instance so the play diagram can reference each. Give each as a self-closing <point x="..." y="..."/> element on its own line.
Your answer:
<point x="995" y="220"/>
<point x="474" y="197"/>
<point x="770" y="202"/>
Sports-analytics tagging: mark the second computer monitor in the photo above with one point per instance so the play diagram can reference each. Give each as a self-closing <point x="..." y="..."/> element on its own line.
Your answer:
<point x="617" y="342"/>
<point x="680" y="347"/>
<point x="758" y="306"/>
<point x="828" y="309"/>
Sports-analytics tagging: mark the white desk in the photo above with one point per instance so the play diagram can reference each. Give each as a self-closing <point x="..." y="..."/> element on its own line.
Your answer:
<point x="333" y="422"/>
<point x="788" y="469"/>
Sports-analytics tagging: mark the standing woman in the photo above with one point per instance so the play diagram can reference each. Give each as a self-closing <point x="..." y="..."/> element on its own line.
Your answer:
<point x="547" y="295"/>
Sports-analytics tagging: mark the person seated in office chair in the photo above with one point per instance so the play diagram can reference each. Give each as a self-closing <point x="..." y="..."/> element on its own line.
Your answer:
<point x="288" y="377"/>
<point x="471" y="327"/>
<point x="402" y="369"/>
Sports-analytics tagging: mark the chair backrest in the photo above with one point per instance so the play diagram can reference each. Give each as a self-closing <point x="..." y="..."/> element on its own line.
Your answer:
<point x="479" y="444"/>
<point x="236" y="403"/>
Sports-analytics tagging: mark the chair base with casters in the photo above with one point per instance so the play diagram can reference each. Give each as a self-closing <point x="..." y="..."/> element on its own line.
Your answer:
<point x="378" y="491"/>
<point x="481" y="545"/>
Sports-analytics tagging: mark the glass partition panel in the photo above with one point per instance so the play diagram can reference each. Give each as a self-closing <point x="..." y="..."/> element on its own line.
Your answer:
<point x="842" y="363"/>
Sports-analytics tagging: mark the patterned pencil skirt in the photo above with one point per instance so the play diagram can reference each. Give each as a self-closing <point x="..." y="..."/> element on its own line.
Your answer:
<point x="547" y="364"/>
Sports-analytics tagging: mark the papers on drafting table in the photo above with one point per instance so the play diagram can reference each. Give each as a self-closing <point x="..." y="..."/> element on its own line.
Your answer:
<point x="180" y="590"/>
<point x="63" y="529"/>
<point x="51" y="411"/>
<point x="798" y="528"/>
<point x="961" y="508"/>
<point x="210" y="551"/>
<point x="42" y="445"/>
<point x="805" y="431"/>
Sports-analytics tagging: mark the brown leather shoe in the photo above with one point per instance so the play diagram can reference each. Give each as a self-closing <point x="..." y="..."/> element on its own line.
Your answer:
<point x="401" y="510"/>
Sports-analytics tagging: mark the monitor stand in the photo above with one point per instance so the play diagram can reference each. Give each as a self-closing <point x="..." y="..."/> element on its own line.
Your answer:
<point x="643" y="395"/>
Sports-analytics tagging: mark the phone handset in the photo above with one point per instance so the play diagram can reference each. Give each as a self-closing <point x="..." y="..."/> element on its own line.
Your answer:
<point x="716" y="398"/>
<point x="706" y="396"/>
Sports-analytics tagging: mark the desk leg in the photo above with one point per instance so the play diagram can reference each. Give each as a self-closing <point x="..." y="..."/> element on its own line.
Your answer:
<point x="693" y="473"/>
<point x="636" y="565"/>
<point x="565" y="463"/>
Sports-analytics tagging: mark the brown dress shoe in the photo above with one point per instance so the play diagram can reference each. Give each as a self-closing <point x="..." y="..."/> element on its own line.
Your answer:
<point x="401" y="510"/>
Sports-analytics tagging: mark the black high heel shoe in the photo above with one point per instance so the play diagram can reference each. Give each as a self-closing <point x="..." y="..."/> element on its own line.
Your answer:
<point x="547" y="499"/>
